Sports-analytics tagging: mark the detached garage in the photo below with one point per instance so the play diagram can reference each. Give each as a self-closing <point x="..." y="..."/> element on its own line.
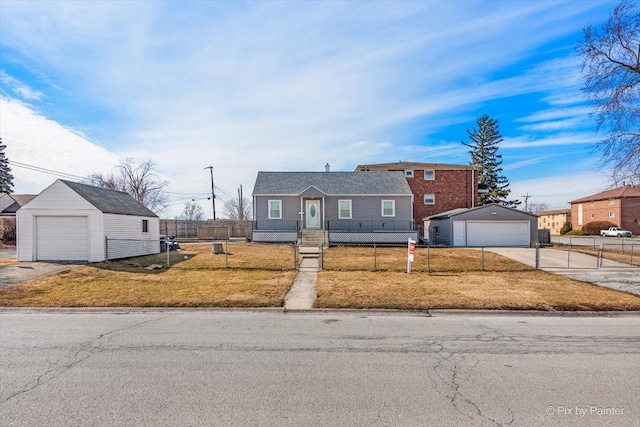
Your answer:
<point x="489" y="225"/>
<point x="69" y="221"/>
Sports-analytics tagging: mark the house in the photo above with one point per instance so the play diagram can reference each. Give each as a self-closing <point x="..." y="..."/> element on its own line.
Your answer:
<point x="69" y="221"/>
<point x="436" y="187"/>
<point x="9" y="205"/>
<point x="554" y="220"/>
<point x="620" y="206"/>
<point x="488" y="225"/>
<point x="336" y="207"/>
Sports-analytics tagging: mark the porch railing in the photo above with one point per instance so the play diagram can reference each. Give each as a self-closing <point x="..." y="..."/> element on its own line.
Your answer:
<point x="276" y="225"/>
<point x="351" y="226"/>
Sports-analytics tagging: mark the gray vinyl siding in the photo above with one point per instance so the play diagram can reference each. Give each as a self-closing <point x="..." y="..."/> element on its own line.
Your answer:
<point x="290" y="207"/>
<point x="483" y="213"/>
<point x="369" y="208"/>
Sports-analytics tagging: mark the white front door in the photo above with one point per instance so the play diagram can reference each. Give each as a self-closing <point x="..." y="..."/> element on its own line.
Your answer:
<point x="312" y="213"/>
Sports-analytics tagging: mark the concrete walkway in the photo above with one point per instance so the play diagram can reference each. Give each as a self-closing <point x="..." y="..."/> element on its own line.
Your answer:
<point x="303" y="292"/>
<point x="578" y="266"/>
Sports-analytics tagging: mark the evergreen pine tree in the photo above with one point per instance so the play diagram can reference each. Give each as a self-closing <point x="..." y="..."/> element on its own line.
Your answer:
<point x="484" y="153"/>
<point x="6" y="179"/>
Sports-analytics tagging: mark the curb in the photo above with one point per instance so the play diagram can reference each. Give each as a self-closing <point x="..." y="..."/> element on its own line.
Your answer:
<point x="321" y="311"/>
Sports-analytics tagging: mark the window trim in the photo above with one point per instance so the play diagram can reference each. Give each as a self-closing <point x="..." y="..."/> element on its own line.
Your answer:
<point x="612" y="214"/>
<point x="409" y="173"/>
<point x="433" y="197"/>
<point x="350" y="209"/>
<point x="279" y="202"/>
<point x="393" y="207"/>
<point x="145" y="225"/>
<point x="612" y="201"/>
<point x="433" y="174"/>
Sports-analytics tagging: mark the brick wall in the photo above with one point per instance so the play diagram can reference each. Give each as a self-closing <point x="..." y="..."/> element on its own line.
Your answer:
<point x="553" y="223"/>
<point x="626" y="213"/>
<point x="452" y="189"/>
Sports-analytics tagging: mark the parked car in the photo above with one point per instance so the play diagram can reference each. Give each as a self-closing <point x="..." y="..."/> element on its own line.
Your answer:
<point x="615" y="232"/>
<point x="171" y="241"/>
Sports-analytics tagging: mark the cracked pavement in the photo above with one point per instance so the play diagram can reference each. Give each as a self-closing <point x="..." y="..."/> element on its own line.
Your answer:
<point x="240" y="368"/>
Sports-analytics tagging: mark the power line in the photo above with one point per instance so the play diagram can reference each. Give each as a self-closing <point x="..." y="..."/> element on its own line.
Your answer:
<point x="44" y="170"/>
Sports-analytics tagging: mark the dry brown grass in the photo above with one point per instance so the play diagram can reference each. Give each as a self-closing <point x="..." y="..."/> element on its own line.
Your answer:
<point x="9" y="261"/>
<point x="199" y="281"/>
<point x="520" y="290"/>
<point x="345" y="258"/>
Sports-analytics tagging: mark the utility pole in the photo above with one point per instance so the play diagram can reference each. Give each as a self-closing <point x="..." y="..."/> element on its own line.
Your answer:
<point x="240" y="204"/>
<point x="526" y="201"/>
<point x="213" y="193"/>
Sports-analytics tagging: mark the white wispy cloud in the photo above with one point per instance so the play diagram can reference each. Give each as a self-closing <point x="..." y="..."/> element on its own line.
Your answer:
<point x="19" y="88"/>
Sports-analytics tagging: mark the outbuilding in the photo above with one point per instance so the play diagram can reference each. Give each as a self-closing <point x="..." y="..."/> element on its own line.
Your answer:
<point x="488" y="225"/>
<point x="70" y="221"/>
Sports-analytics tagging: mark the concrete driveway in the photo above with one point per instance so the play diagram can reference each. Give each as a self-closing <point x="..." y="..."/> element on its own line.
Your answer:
<point x="578" y="266"/>
<point x="25" y="271"/>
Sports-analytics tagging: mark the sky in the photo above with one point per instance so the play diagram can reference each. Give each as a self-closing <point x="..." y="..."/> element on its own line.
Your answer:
<point x="290" y="86"/>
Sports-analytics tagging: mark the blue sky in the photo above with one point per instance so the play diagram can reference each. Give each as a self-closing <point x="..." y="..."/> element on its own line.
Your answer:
<point x="249" y="86"/>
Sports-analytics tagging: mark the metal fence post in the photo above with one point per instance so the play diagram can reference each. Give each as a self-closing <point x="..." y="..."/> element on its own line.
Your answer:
<point x="321" y="253"/>
<point x="631" y="260"/>
<point x="295" y="256"/>
<point x="482" y="257"/>
<point x="429" y="259"/>
<point x="569" y="255"/>
<point x="168" y="260"/>
<point x="375" y="257"/>
<point x="106" y="248"/>
<point x="226" y="255"/>
<point x="599" y="257"/>
<point x="537" y="256"/>
<point x="623" y="245"/>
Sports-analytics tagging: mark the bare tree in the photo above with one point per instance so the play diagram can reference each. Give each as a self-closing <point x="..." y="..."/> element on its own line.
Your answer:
<point x="139" y="180"/>
<point x="192" y="212"/>
<point x="239" y="209"/>
<point x="537" y="207"/>
<point x="611" y="66"/>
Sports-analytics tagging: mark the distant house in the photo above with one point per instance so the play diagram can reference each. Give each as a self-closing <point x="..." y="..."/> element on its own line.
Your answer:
<point x="488" y="225"/>
<point x="554" y="220"/>
<point x="620" y="206"/>
<point x="436" y="187"/>
<point x="10" y="203"/>
<point x="69" y="221"/>
<point x="335" y="207"/>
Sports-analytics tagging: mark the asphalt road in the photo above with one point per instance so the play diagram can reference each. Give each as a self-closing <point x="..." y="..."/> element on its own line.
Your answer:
<point x="595" y="241"/>
<point x="248" y="368"/>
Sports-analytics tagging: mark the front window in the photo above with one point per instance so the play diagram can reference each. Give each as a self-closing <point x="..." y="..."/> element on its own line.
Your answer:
<point x="145" y="225"/>
<point x="429" y="175"/>
<point x="612" y="201"/>
<point x="611" y="214"/>
<point x="429" y="199"/>
<point x="344" y="209"/>
<point x="275" y="209"/>
<point x="388" y="208"/>
<point x="408" y="173"/>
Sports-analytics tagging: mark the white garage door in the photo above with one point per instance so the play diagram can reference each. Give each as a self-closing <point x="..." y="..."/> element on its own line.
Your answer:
<point x="498" y="233"/>
<point x="62" y="238"/>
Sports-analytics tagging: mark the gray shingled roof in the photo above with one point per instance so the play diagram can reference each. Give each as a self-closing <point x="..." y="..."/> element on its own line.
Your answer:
<point x="332" y="183"/>
<point x="110" y="201"/>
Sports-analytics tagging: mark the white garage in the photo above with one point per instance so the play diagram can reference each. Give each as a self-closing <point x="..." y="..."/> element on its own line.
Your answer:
<point x="489" y="225"/>
<point x="69" y="221"/>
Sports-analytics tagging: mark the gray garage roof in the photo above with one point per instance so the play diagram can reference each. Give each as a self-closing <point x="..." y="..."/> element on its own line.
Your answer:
<point x="110" y="201"/>
<point x="459" y="211"/>
<point x="332" y="183"/>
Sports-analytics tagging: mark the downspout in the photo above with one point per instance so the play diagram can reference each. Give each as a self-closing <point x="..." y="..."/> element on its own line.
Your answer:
<point x="473" y="189"/>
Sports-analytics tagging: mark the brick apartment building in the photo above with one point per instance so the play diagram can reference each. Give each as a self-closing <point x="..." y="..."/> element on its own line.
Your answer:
<point x="620" y="206"/>
<point x="436" y="187"/>
<point x="554" y="220"/>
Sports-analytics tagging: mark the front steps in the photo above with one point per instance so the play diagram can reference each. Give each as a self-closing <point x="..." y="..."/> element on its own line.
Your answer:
<point x="313" y="238"/>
